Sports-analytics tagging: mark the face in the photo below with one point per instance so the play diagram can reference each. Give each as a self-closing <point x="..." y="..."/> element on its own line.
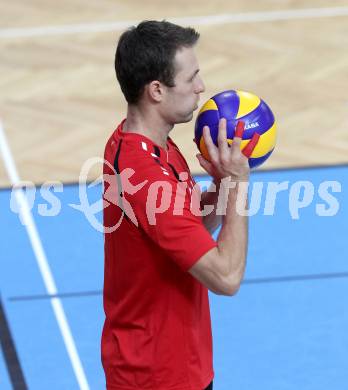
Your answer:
<point x="180" y="101"/>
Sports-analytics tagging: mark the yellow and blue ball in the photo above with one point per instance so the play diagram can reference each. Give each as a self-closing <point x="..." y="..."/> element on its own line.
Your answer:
<point x="235" y="106"/>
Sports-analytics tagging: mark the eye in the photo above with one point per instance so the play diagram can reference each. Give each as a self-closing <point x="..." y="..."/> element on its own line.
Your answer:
<point x="193" y="77"/>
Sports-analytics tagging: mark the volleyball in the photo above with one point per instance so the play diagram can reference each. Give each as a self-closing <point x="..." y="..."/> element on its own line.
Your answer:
<point x="234" y="106"/>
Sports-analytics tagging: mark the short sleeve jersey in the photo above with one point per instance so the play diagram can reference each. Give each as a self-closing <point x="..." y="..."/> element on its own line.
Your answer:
<point x="157" y="330"/>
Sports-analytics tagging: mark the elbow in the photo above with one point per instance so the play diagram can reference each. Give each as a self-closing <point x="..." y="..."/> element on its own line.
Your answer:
<point x="230" y="286"/>
<point x="230" y="291"/>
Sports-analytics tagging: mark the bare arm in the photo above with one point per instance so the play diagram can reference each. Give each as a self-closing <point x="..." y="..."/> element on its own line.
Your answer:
<point x="222" y="268"/>
<point x="210" y="197"/>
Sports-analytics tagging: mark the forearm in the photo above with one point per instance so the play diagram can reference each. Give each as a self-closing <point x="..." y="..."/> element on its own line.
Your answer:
<point x="210" y="198"/>
<point x="233" y="237"/>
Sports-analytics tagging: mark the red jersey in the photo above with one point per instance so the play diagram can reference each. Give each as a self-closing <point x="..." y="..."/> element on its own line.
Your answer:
<point x="157" y="330"/>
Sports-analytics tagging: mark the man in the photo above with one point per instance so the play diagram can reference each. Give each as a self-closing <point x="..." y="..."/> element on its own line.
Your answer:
<point x="161" y="260"/>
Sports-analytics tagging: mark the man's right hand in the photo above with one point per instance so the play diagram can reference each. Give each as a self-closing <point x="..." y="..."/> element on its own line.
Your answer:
<point x="227" y="160"/>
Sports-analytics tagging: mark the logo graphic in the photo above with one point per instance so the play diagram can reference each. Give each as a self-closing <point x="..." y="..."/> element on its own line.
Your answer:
<point x="252" y="125"/>
<point x="115" y="186"/>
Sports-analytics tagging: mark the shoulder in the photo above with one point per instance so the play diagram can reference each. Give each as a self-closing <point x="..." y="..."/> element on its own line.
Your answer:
<point x="144" y="160"/>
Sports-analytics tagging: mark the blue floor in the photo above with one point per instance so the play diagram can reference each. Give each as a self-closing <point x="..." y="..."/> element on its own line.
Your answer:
<point x="286" y="328"/>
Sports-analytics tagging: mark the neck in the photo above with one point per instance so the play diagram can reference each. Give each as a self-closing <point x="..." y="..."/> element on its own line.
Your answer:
<point x="147" y="123"/>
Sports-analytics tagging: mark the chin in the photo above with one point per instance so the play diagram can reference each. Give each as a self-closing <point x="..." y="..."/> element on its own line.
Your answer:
<point x="183" y="119"/>
<point x="188" y="118"/>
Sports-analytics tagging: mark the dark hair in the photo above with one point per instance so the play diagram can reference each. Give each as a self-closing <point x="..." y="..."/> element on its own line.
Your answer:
<point x="146" y="53"/>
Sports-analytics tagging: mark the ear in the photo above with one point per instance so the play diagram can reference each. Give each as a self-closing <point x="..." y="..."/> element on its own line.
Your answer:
<point x="155" y="90"/>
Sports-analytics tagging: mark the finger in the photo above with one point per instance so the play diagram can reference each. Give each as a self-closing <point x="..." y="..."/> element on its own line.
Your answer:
<point x="222" y="136"/>
<point x="250" y="146"/>
<point x="238" y="134"/>
<point x="205" y="164"/>
<point x="211" y="147"/>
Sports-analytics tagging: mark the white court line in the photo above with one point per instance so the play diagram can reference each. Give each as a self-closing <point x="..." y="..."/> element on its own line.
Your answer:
<point x="42" y="262"/>
<point x="248" y="17"/>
